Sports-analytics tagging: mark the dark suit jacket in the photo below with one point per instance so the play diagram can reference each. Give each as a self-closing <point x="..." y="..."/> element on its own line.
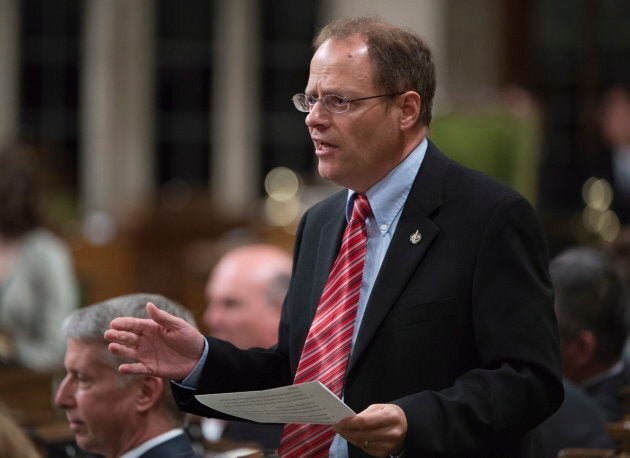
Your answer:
<point x="459" y="330"/>
<point x="578" y="423"/>
<point x="607" y="393"/>
<point x="266" y="436"/>
<point x="177" y="447"/>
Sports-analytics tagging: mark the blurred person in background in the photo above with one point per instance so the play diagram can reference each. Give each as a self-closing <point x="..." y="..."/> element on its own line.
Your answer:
<point x="592" y="307"/>
<point x="244" y="293"/>
<point x="615" y="130"/>
<point x="592" y="313"/>
<point x="38" y="287"/>
<point x="14" y="443"/>
<point x="578" y="423"/>
<point x="112" y="414"/>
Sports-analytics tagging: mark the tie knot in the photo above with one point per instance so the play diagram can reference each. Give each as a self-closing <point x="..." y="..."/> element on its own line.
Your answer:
<point x="361" y="209"/>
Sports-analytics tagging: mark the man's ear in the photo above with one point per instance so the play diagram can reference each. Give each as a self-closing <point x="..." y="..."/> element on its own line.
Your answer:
<point x="151" y="389"/>
<point x="410" y="103"/>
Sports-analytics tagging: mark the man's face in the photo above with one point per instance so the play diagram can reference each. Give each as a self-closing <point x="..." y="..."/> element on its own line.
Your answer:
<point x="616" y="118"/>
<point x="99" y="405"/>
<point x="238" y="307"/>
<point x="357" y="148"/>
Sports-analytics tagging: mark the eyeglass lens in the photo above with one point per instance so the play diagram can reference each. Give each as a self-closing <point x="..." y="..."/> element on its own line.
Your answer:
<point x="332" y="102"/>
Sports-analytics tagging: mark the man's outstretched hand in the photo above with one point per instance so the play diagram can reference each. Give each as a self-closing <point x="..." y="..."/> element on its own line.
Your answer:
<point x="163" y="345"/>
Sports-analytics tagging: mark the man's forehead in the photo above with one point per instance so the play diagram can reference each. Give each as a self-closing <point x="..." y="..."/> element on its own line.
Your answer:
<point x="341" y="65"/>
<point x="341" y="51"/>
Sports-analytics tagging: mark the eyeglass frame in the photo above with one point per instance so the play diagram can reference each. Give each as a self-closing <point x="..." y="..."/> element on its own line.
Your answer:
<point x="345" y="100"/>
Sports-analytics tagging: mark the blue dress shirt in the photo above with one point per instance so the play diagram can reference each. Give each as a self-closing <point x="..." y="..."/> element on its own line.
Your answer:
<point x="387" y="198"/>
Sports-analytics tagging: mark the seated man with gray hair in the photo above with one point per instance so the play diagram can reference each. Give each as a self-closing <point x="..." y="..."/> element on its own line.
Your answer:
<point x="110" y="413"/>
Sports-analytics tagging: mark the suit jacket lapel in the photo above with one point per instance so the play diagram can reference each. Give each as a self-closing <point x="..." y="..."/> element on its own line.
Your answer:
<point x="329" y="244"/>
<point x="403" y="257"/>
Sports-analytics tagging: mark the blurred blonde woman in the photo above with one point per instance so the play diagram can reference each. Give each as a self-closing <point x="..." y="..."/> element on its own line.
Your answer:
<point x="13" y="440"/>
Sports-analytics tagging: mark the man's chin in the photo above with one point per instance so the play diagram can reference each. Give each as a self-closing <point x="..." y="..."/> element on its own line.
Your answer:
<point x="86" y="443"/>
<point x="328" y="172"/>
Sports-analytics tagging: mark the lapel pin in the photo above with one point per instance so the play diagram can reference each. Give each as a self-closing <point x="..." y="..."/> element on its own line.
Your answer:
<point x="415" y="237"/>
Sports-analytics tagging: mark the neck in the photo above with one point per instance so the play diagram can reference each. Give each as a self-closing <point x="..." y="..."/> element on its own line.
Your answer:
<point x="147" y="430"/>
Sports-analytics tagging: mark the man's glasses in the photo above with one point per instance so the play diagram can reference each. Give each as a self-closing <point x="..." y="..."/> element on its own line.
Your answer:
<point x="332" y="102"/>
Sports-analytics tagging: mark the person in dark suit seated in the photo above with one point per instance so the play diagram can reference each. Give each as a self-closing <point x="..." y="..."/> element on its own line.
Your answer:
<point x="578" y="423"/>
<point x="113" y="414"/>
<point x="420" y="294"/>
<point x="592" y="315"/>
<point x="244" y="294"/>
<point x="592" y="307"/>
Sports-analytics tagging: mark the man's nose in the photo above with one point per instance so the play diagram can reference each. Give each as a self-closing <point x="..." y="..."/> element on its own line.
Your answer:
<point x="63" y="396"/>
<point x="318" y="116"/>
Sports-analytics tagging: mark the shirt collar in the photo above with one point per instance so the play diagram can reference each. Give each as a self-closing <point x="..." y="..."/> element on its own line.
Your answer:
<point x="617" y="368"/>
<point x="388" y="196"/>
<point x="148" y="445"/>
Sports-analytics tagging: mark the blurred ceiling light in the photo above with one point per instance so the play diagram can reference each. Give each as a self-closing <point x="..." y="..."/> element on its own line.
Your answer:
<point x="597" y="216"/>
<point x="281" y="213"/>
<point x="282" y="184"/>
<point x="597" y="193"/>
<point x="609" y="226"/>
<point x="590" y="218"/>
<point x="603" y="223"/>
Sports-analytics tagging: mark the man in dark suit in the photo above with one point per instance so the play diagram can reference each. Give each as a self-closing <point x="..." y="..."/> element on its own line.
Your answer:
<point x="454" y="344"/>
<point x="113" y="414"/>
<point x="592" y="307"/>
<point x="592" y="310"/>
<point x="578" y="423"/>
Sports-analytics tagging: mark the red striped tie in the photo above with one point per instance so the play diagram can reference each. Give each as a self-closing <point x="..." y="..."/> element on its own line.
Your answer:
<point x="327" y="348"/>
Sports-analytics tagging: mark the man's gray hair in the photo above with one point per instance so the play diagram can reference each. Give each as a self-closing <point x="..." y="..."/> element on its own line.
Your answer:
<point x="88" y="325"/>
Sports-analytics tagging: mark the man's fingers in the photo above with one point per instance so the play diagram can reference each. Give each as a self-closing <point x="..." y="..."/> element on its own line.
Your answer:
<point x="134" y="368"/>
<point x="161" y="317"/>
<point x="122" y="350"/>
<point x="370" y="418"/>
<point x="154" y="313"/>
<point x="380" y="429"/>
<point x="121" y="337"/>
<point x="128" y="324"/>
<point x="129" y="368"/>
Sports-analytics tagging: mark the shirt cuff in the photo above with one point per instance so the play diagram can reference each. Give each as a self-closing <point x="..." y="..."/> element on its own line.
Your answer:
<point x="192" y="379"/>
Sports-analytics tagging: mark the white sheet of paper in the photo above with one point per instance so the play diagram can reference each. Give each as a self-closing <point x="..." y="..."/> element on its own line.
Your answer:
<point x="308" y="402"/>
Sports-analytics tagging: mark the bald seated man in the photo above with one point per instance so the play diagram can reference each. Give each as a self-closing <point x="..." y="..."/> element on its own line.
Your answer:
<point x="244" y="293"/>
